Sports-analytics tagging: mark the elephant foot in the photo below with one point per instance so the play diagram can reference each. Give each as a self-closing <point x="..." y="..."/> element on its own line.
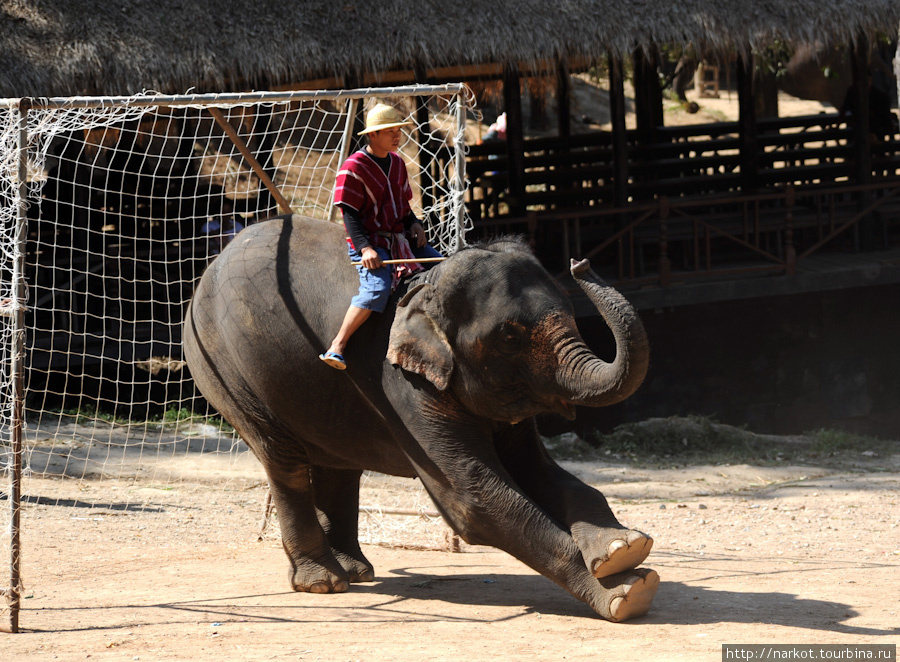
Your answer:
<point x="310" y="576"/>
<point x="625" y="550"/>
<point x="631" y="593"/>
<point x="356" y="566"/>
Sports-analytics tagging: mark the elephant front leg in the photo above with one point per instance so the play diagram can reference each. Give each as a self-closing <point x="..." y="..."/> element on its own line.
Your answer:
<point x="608" y="547"/>
<point x="484" y="506"/>
<point x="611" y="550"/>
<point x="629" y="594"/>
<point x="314" y="568"/>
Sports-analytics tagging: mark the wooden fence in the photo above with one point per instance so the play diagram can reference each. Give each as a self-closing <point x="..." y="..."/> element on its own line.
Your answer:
<point x="691" y="204"/>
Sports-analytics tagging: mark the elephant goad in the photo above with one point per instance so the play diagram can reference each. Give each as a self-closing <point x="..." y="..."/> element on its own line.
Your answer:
<point x="444" y="386"/>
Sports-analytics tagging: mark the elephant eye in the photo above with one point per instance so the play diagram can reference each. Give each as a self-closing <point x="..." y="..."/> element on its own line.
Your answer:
<point x="511" y="336"/>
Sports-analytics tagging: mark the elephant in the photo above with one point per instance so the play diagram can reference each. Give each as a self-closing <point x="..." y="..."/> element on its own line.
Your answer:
<point x="443" y="386"/>
<point x="826" y="74"/>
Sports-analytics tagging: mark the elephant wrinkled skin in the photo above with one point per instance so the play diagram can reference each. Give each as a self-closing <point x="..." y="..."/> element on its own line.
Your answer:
<point x="443" y="386"/>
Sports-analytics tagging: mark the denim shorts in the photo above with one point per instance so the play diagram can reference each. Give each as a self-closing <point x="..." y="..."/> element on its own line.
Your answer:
<point x="375" y="285"/>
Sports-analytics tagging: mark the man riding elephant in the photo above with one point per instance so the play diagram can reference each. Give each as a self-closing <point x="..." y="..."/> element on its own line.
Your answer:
<point x="373" y="193"/>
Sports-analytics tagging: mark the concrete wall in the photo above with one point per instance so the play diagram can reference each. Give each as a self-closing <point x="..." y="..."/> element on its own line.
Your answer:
<point x="781" y="364"/>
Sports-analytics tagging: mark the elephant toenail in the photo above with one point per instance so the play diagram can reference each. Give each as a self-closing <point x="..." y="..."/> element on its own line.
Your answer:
<point x="616" y="545"/>
<point x="614" y="605"/>
<point x="633" y="536"/>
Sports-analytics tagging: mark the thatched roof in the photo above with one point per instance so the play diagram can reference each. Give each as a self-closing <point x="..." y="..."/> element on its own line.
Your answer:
<point x="65" y="47"/>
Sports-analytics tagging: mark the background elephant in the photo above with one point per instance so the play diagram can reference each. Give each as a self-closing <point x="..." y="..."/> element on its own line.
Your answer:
<point x="826" y="74"/>
<point x="444" y="386"/>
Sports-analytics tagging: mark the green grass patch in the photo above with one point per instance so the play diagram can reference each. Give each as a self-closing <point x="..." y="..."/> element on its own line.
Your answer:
<point x="171" y="417"/>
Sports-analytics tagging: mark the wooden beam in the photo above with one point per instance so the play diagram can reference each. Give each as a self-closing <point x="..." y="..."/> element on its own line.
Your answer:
<point x="262" y="124"/>
<point x="251" y="160"/>
<point x="654" y="90"/>
<point x="645" y="78"/>
<point x="860" y="123"/>
<point x="563" y="100"/>
<point x="619" y="130"/>
<point x="456" y="73"/>
<point x="515" y="140"/>
<point x="747" y="124"/>
<point x="860" y="111"/>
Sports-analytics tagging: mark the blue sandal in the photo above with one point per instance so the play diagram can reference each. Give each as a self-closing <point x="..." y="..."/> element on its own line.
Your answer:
<point x="334" y="359"/>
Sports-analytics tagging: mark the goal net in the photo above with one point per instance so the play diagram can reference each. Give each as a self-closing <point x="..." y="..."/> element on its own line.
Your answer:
<point x="110" y="210"/>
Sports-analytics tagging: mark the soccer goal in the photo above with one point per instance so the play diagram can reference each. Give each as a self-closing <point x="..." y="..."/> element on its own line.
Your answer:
<point x="110" y="210"/>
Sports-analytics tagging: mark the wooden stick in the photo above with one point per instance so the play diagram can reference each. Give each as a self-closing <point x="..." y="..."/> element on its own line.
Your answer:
<point x="404" y="261"/>
<point x="409" y="512"/>
<point x="251" y="160"/>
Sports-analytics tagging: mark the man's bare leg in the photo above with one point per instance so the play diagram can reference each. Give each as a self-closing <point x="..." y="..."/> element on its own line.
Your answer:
<point x="352" y="321"/>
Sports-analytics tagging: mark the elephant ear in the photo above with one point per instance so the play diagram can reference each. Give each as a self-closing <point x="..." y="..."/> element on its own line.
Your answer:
<point x="417" y="343"/>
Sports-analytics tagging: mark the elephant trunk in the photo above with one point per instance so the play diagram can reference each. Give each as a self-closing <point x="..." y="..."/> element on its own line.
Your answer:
<point x="589" y="380"/>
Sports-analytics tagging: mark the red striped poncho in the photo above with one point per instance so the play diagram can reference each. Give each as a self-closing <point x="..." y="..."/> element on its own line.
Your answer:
<point x="381" y="200"/>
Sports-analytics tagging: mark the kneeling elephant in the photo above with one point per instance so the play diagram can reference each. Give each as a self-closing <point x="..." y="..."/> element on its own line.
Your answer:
<point x="443" y="386"/>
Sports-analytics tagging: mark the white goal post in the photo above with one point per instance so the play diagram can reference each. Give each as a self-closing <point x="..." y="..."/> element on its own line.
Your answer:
<point x="110" y="210"/>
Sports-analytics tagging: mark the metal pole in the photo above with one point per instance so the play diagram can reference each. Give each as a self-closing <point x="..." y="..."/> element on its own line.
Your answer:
<point x="345" y="148"/>
<point x="460" y="180"/>
<point x="17" y="373"/>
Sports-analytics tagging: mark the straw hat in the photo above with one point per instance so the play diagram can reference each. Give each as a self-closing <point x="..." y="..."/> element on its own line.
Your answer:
<point x="384" y="116"/>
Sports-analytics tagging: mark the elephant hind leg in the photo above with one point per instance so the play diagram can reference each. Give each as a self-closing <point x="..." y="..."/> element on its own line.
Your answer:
<point x="337" y="505"/>
<point x="314" y="568"/>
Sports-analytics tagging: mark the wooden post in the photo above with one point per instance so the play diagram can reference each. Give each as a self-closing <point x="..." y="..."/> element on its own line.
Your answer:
<point x="665" y="265"/>
<point x="747" y="122"/>
<point x="563" y="99"/>
<point x="860" y="123"/>
<point x="619" y="132"/>
<point x="641" y="107"/>
<point x="790" y="251"/>
<point x="515" y="140"/>
<point x="860" y="110"/>
<point x="654" y="90"/>
<point x="262" y="124"/>
<point x="251" y="159"/>
<point x="648" y="96"/>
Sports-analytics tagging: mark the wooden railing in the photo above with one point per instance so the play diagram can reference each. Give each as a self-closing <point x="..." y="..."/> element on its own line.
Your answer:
<point x="668" y="239"/>
<point x="683" y="160"/>
<point x="688" y="211"/>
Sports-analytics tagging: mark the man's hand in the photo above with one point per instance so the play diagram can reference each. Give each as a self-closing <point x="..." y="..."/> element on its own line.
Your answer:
<point x="417" y="232"/>
<point x="371" y="259"/>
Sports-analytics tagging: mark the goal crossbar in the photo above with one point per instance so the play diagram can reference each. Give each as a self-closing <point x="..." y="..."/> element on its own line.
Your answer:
<point x="189" y="100"/>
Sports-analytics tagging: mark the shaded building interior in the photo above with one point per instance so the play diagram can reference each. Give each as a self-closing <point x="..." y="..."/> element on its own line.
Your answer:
<point x="763" y="252"/>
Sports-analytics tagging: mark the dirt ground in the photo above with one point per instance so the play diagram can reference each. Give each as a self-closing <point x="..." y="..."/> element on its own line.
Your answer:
<point x="175" y="570"/>
<point x="170" y="566"/>
<point x="591" y="112"/>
